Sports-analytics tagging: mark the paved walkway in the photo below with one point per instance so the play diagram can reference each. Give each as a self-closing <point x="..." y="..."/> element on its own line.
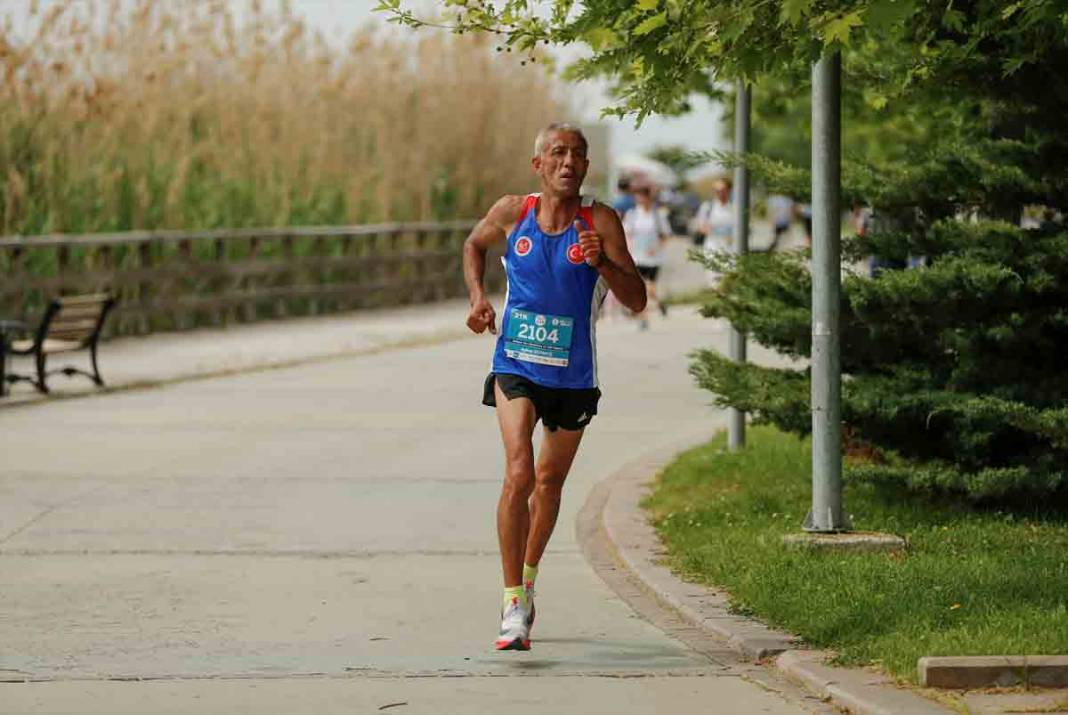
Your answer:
<point x="319" y="537"/>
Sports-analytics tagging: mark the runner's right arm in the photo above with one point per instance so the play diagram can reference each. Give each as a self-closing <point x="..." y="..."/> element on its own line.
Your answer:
<point x="492" y="229"/>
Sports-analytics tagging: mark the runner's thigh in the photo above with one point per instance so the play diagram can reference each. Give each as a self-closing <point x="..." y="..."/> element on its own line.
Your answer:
<point x="516" y="418"/>
<point x="558" y="449"/>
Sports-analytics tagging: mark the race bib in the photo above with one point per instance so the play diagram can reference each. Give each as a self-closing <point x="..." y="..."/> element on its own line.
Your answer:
<point x="542" y="339"/>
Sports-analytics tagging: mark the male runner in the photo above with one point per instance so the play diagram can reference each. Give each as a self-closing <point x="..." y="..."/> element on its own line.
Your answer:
<point x="563" y="252"/>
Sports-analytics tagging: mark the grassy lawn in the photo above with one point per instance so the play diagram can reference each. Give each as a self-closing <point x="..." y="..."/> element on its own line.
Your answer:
<point x="974" y="582"/>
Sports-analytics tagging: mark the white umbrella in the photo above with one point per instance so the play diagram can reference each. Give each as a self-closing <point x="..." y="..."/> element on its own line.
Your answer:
<point x="651" y="170"/>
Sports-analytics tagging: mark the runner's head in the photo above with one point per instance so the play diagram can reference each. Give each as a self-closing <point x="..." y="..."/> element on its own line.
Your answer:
<point x="560" y="159"/>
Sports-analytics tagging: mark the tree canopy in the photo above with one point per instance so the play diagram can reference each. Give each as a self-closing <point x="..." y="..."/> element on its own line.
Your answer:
<point x="659" y="51"/>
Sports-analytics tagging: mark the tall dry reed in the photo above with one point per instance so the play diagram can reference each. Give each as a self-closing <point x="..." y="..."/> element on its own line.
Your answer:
<point x="179" y="114"/>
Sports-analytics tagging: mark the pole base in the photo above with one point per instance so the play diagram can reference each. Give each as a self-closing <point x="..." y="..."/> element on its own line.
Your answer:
<point x="852" y="541"/>
<point x="828" y="525"/>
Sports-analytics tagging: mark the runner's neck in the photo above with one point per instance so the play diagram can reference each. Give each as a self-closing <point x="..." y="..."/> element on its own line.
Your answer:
<point x="556" y="214"/>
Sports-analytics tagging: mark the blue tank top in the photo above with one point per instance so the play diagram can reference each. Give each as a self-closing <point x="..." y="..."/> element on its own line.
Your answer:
<point x="548" y="332"/>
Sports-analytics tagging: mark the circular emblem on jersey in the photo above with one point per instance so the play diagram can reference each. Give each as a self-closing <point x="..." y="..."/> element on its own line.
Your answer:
<point x="574" y="254"/>
<point x="523" y="246"/>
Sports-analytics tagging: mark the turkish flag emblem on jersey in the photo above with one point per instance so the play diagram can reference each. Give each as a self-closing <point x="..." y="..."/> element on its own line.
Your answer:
<point x="523" y="246"/>
<point x="574" y="254"/>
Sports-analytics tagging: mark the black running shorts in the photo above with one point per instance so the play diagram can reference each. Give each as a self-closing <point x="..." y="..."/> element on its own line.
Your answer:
<point x="570" y="409"/>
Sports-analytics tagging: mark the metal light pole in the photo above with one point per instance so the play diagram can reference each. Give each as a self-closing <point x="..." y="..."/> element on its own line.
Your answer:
<point x="736" y="346"/>
<point x="826" y="514"/>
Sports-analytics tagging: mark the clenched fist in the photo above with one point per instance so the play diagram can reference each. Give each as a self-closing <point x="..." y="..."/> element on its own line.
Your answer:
<point x="482" y="316"/>
<point x="590" y="243"/>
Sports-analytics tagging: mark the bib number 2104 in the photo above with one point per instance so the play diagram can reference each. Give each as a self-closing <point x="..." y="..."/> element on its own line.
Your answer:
<point x="539" y="333"/>
<point x="536" y="338"/>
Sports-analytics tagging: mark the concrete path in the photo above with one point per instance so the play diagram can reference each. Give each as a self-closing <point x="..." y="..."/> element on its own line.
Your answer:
<point x="319" y="538"/>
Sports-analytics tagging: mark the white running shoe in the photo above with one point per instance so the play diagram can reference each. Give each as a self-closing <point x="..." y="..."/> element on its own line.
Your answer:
<point x="515" y="633"/>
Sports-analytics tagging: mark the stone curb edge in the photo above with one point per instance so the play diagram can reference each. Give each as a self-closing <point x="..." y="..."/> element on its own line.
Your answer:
<point x="991" y="671"/>
<point x="638" y="547"/>
<point x="859" y="691"/>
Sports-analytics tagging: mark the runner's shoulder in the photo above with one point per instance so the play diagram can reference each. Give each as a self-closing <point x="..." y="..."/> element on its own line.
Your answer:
<point x="604" y="217"/>
<point x="506" y="210"/>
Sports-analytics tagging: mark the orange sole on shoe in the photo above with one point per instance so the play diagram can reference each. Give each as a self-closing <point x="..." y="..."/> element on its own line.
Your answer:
<point x="514" y="644"/>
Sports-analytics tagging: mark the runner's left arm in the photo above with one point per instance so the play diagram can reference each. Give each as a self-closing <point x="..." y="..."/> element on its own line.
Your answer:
<point x="605" y="248"/>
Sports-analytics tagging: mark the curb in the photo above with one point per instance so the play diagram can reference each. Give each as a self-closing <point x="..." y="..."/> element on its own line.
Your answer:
<point x="993" y="671"/>
<point x="638" y="548"/>
<point x="858" y="691"/>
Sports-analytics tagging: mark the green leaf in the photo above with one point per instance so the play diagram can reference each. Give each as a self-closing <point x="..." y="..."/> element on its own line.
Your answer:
<point x="876" y="100"/>
<point x="651" y="23"/>
<point x="1008" y="12"/>
<point x="953" y="19"/>
<point x="887" y="14"/>
<point x="794" y="10"/>
<point x="1010" y="66"/>
<point x="648" y="4"/>
<point x="837" y="30"/>
<point x="600" y="38"/>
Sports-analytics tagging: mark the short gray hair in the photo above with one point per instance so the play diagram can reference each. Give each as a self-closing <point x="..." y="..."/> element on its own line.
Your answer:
<point x="543" y="135"/>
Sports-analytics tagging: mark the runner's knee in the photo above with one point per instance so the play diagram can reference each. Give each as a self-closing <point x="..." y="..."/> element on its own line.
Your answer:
<point x="519" y="478"/>
<point x="549" y="492"/>
<point x="550" y="481"/>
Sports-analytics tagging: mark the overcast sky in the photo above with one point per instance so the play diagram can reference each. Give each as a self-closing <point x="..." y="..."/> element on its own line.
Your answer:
<point x="700" y="130"/>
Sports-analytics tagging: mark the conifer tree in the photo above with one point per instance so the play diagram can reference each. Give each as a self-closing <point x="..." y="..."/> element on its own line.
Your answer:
<point x="956" y="369"/>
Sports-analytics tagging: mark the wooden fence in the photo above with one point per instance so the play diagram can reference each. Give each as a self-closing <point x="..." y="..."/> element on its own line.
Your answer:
<point x="172" y="280"/>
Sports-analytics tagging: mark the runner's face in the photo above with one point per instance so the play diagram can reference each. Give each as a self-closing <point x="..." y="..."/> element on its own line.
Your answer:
<point x="562" y="164"/>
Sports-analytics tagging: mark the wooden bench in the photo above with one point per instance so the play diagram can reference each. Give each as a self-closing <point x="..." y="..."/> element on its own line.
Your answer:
<point x="69" y="324"/>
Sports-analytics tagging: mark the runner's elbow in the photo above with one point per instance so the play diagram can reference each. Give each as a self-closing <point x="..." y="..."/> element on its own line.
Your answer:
<point x="474" y="252"/>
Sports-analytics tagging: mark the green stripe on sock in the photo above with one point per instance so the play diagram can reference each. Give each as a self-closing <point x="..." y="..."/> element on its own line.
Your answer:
<point x="515" y="592"/>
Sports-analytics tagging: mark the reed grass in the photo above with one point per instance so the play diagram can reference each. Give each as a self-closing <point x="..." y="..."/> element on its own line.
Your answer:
<point x="182" y="114"/>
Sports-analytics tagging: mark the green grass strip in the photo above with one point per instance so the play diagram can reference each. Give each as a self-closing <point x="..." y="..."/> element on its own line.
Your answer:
<point x="973" y="582"/>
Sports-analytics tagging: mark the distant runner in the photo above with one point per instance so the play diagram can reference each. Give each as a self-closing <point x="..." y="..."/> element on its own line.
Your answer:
<point x="647" y="231"/>
<point x="564" y="253"/>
